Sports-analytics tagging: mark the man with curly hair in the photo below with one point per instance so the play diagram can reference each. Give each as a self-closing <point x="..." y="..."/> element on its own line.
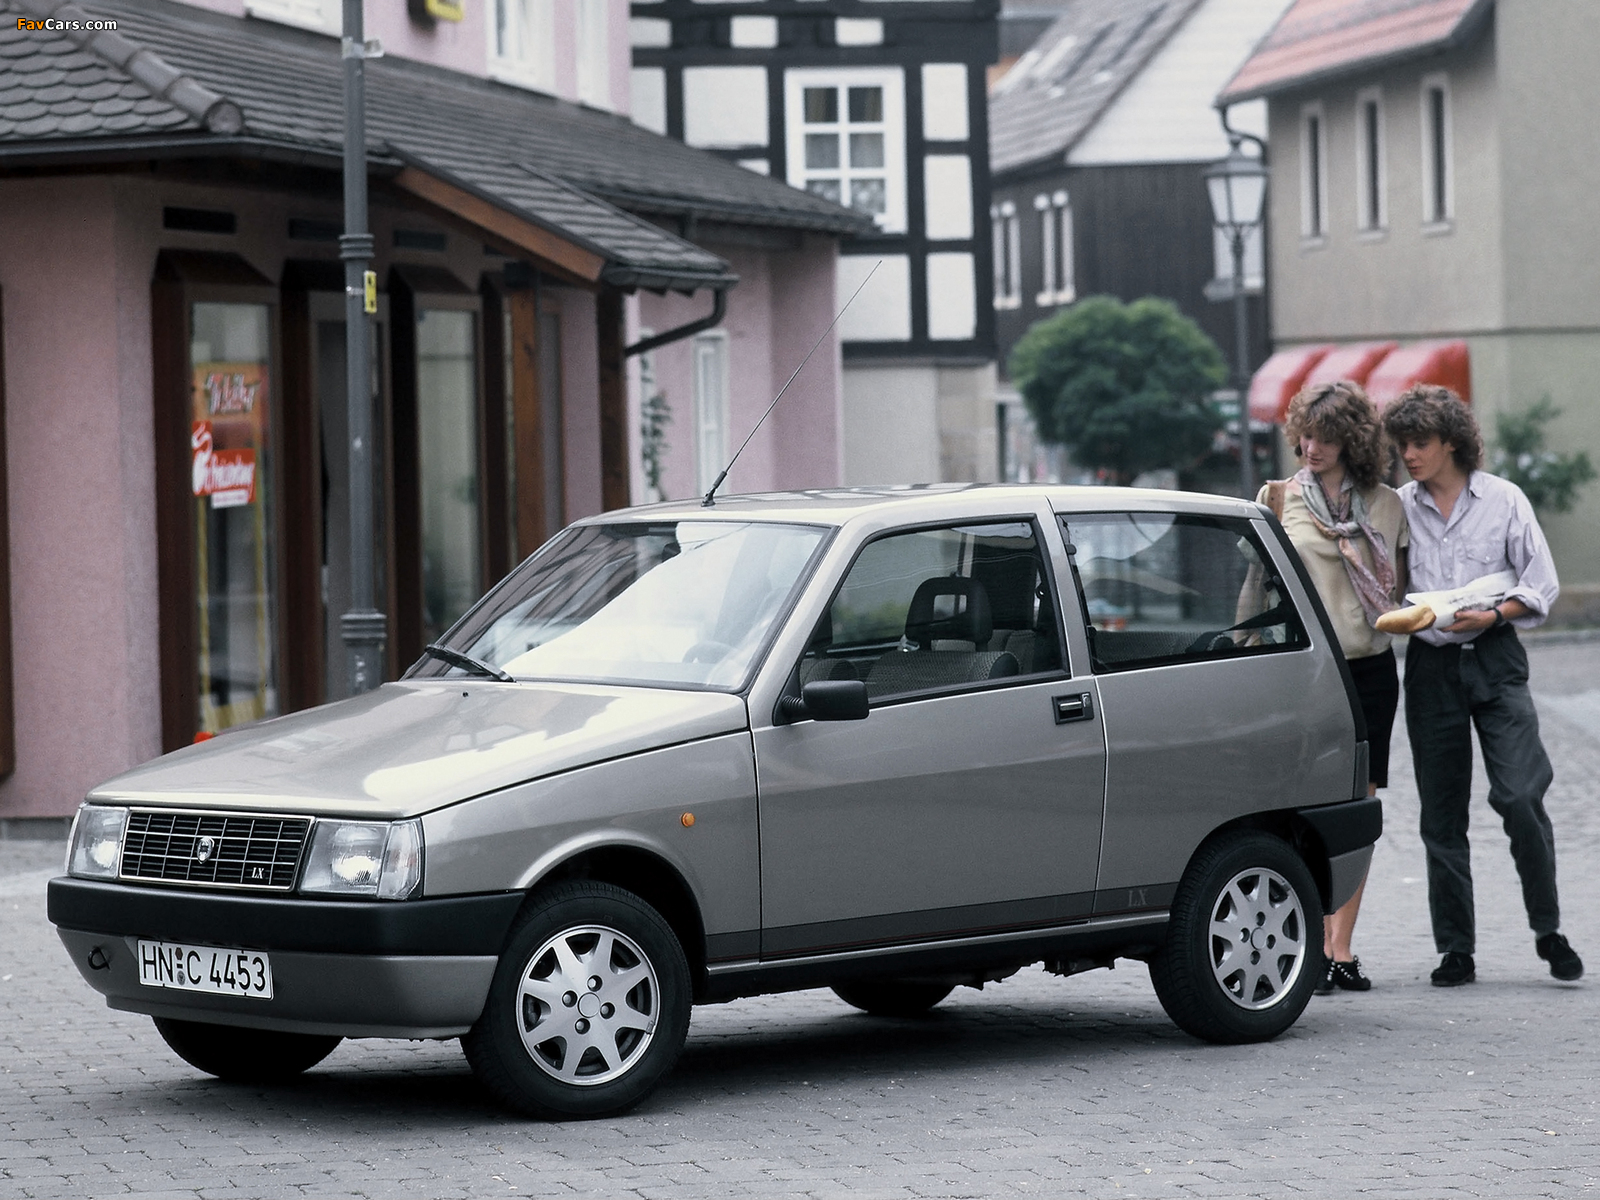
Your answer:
<point x="1465" y="524"/>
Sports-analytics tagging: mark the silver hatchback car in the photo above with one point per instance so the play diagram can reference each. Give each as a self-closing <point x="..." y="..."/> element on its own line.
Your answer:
<point x="887" y="741"/>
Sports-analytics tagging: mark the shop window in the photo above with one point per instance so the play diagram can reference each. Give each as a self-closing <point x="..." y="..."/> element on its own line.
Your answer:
<point x="846" y="139"/>
<point x="232" y="407"/>
<point x="447" y="421"/>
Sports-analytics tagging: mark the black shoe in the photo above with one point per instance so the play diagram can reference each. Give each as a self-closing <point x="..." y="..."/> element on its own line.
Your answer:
<point x="1325" y="985"/>
<point x="1454" y="970"/>
<point x="1348" y="976"/>
<point x="1564" y="962"/>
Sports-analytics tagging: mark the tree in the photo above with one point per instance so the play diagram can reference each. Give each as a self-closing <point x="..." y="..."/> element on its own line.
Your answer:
<point x="1125" y="387"/>
<point x="1549" y="480"/>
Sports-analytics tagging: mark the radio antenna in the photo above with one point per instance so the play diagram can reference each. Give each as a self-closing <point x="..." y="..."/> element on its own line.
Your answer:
<point x="711" y="493"/>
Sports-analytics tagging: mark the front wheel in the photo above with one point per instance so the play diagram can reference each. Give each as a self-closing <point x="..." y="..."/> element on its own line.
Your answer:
<point x="1244" y="941"/>
<point x="589" y="1006"/>
<point x="244" y="1055"/>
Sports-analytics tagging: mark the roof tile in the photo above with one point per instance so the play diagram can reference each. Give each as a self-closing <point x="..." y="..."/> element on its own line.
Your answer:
<point x="1316" y="39"/>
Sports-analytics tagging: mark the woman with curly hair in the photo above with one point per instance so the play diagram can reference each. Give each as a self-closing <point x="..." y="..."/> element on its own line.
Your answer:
<point x="1350" y="530"/>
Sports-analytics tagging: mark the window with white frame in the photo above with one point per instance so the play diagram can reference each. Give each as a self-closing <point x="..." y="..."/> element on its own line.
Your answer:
<point x="846" y="139"/>
<point x="594" y="54"/>
<point x="325" y="16"/>
<point x="1372" y="176"/>
<point x="1438" y="163"/>
<point x="1006" y="231"/>
<point x="710" y="407"/>
<point x="522" y="42"/>
<point x="1057" y="284"/>
<point x="1313" y="172"/>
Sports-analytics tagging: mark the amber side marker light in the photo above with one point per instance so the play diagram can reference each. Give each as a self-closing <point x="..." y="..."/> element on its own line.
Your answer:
<point x="205" y="735"/>
<point x="687" y="819"/>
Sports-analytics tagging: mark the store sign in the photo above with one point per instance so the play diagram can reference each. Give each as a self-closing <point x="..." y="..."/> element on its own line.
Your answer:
<point x="227" y="476"/>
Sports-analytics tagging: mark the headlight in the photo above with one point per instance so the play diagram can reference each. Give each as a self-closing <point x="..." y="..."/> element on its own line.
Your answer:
<point x="96" y="841"/>
<point x="362" y="858"/>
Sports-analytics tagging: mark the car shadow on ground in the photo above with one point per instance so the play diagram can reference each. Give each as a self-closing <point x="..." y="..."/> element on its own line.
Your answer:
<point x="368" y="1086"/>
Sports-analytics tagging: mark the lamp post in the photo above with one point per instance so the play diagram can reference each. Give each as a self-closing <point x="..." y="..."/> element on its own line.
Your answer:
<point x="362" y="628"/>
<point x="1237" y="186"/>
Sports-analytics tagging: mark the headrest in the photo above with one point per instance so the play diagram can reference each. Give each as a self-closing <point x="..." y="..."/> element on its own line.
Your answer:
<point x="968" y="618"/>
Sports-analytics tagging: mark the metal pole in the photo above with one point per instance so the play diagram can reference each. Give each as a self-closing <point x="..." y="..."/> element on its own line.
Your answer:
<point x="1241" y="346"/>
<point x="363" y="627"/>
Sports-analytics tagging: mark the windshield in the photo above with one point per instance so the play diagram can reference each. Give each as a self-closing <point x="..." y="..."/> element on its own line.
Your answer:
<point x="668" y="602"/>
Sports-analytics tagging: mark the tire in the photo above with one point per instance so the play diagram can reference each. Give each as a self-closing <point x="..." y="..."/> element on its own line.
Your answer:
<point x="244" y="1055"/>
<point x="538" y="1047"/>
<point x="1244" y="941"/>
<point x="892" y="997"/>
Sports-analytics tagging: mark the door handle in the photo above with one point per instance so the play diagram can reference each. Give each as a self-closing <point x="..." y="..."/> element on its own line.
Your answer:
<point x="1077" y="707"/>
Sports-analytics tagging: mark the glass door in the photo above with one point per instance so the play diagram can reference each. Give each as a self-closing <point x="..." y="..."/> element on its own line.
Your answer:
<point x="230" y="441"/>
<point x="448" y="461"/>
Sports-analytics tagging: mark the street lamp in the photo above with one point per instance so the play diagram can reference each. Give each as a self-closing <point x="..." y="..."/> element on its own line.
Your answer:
<point x="1238" y="186"/>
<point x="362" y="627"/>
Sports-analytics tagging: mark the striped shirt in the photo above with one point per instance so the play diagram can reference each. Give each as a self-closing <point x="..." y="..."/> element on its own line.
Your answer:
<point x="1491" y="528"/>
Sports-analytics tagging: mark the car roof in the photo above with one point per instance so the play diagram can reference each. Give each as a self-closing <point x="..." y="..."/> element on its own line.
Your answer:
<point x="931" y="501"/>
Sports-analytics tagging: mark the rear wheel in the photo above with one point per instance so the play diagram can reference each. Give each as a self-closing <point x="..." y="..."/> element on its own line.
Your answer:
<point x="589" y="1006"/>
<point x="892" y="997"/>
<point x="1244" y="941"/>
<point x="244" y="1055"/>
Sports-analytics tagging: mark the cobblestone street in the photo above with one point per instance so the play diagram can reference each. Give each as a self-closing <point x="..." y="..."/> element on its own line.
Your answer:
<point x="1036" y="1086"/>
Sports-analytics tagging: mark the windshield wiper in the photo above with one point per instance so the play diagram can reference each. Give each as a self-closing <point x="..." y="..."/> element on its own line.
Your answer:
<point x="466" y="662"/>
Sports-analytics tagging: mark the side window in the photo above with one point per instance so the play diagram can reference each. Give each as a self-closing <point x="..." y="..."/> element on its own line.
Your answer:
<point x="1159" y="589"/>
<point x="956" y="607"/>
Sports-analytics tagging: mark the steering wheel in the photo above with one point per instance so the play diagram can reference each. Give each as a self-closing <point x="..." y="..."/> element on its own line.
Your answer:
<point x="707" y="652"/>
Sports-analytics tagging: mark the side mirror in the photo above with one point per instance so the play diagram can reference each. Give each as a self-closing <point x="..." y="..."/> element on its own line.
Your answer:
<point x="827" y="700"/>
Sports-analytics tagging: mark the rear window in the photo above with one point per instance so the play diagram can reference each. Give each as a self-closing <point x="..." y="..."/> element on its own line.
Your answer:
<point x="1159" y="589"/>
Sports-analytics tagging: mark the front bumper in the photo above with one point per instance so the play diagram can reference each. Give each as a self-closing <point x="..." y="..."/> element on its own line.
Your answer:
<point x="412" y="968"/>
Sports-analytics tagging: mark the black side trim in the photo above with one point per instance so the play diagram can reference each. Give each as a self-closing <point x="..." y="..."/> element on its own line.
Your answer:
<point x="722" y="947"/>
<point x="965" y="920"/>
<point x="1109" y="901"/>
<point x="468" y="925"/>
<point x="1323" y="623"/>
<point x="1347" y="826"/>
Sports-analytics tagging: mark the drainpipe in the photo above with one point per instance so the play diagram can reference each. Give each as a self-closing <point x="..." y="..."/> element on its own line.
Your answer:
<point x="719" y="309"/>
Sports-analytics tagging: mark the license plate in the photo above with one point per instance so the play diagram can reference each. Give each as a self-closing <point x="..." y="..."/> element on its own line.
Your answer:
<point x="205" y="969"/>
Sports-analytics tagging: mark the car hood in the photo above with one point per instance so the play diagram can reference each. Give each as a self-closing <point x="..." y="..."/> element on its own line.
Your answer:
<point x="407" y="748"/>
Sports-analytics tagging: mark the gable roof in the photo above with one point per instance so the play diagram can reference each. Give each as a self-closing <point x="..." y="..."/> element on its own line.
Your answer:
<point x="1319" y="39"/>
<point x="1043" y="105"/>
<point x="175" y="81"/>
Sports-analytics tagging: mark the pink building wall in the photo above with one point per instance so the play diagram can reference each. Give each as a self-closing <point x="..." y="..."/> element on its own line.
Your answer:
<point x="464" y="45"/>
<point x="80" y="465"/>
<point x="781" y="305"/>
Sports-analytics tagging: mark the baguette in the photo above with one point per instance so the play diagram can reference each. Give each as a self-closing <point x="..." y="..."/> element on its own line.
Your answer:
<point x="1405" y="620"/>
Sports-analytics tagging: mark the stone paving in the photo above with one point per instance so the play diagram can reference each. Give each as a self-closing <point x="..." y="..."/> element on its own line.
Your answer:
<point x="1037" y="1086"/>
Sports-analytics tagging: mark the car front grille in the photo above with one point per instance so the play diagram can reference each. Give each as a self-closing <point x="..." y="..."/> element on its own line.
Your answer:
<point x="214" y="849"/>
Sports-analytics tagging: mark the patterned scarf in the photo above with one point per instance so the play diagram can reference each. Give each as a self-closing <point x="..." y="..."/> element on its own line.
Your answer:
<point x="1350" y="519"/>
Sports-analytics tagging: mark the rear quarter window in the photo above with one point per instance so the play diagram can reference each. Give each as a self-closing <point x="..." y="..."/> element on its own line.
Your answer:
<point x="1159" y="589"/>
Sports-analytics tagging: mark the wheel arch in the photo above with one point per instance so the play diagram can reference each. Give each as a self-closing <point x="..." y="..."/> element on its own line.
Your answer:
<point x="1292" y="827"/>
<point x="647" y="875"/>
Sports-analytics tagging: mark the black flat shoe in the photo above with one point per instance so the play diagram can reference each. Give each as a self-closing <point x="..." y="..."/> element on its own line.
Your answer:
<point x="1564" y="962"/>
<point x="1454" y="970"/>
<point x="1347" y="976"/>
<point x="1325" y="985"/>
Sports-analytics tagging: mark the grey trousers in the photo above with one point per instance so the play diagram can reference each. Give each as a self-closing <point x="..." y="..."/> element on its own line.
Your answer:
<point x="1450" y="689"/>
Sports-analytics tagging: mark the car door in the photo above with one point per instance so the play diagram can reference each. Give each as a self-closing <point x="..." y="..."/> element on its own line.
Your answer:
<point x="1216" y="702"/>
<point x="970" y="798"/>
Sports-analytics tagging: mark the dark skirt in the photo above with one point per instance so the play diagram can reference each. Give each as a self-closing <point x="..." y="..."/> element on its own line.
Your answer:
<point x="1378" y="688"/>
